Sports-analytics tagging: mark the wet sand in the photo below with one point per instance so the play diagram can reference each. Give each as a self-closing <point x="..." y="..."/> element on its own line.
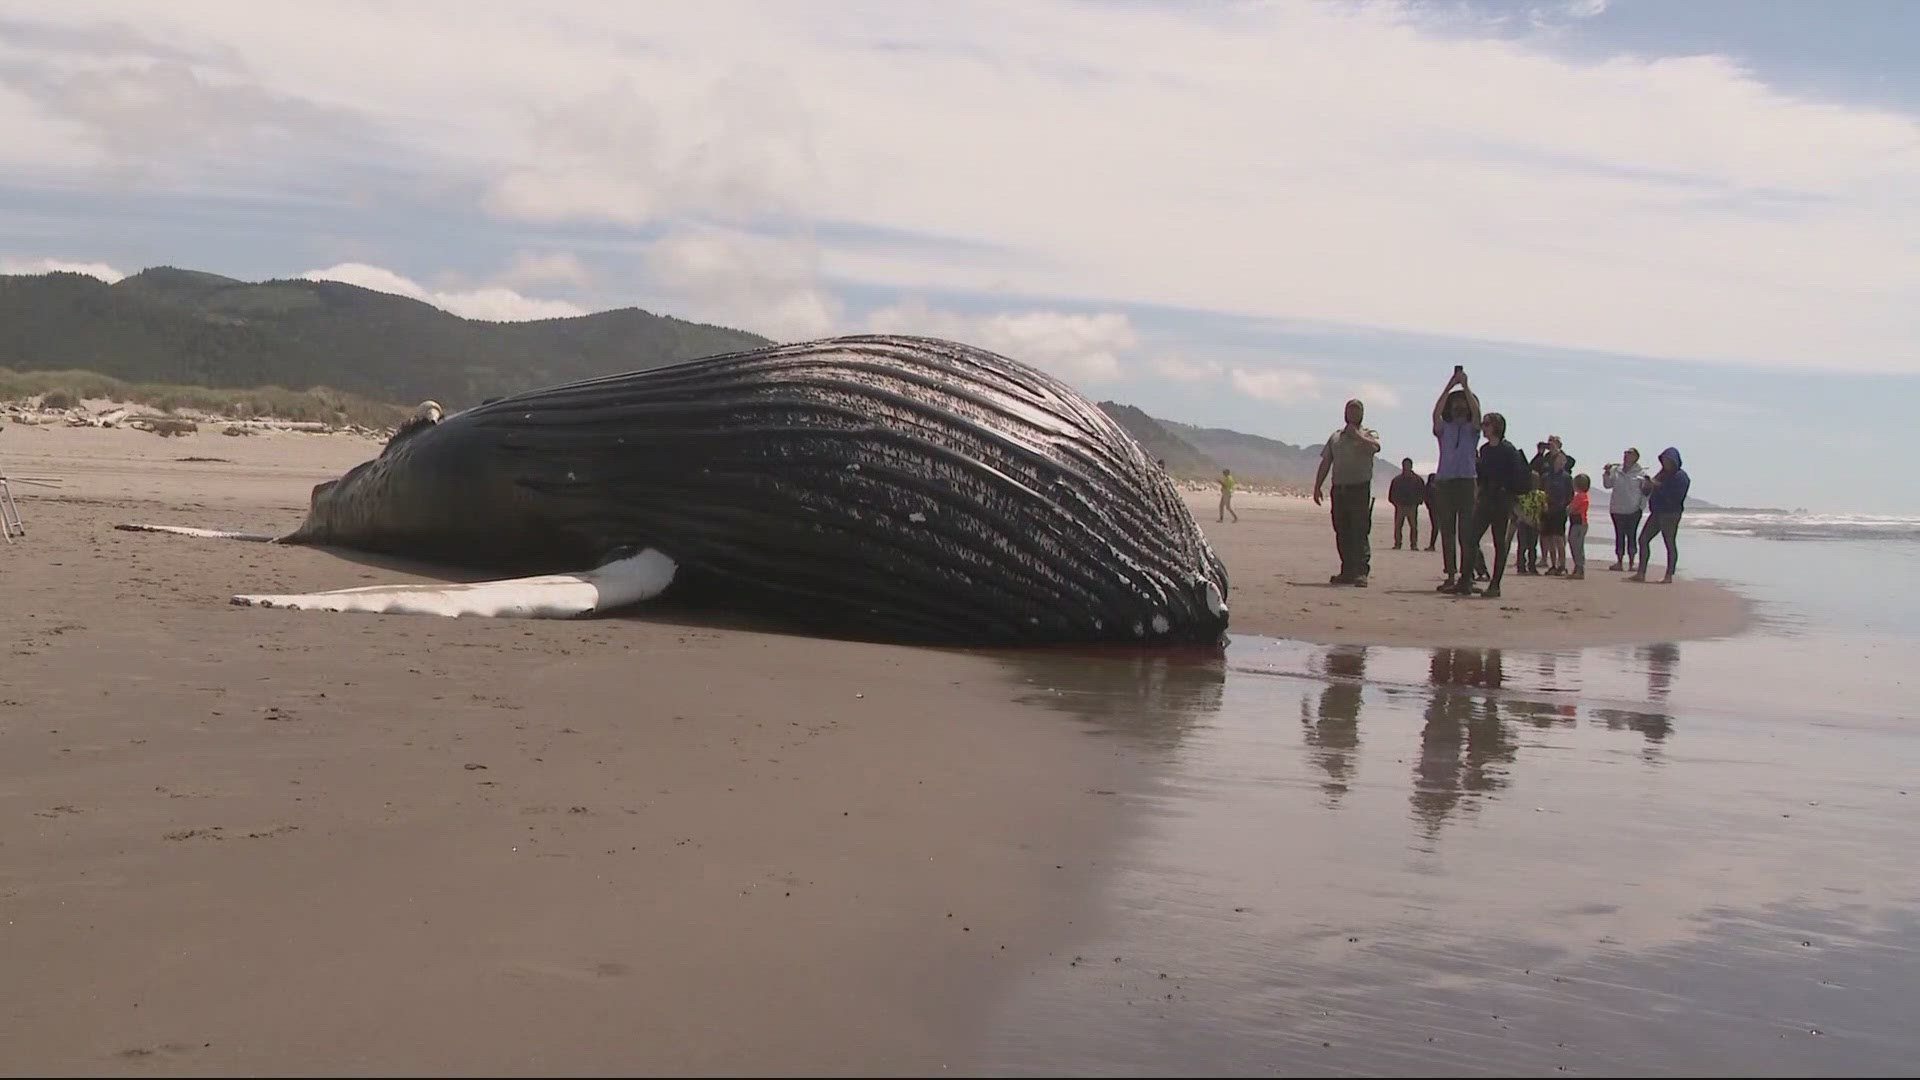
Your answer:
<point x="242" y="841"/>
<point x="1470" y="862"/>
<point x="265" y="841"/>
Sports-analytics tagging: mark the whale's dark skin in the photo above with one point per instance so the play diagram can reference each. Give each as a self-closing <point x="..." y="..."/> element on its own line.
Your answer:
<point x="880" y="487"/>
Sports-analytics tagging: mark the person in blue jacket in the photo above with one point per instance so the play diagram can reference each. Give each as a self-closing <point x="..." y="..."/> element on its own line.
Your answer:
<point x="1666" y="499"/>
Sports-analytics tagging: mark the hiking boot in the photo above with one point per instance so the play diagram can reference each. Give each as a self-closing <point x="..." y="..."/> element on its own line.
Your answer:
<point x="1361" y="582"/>
<point x="1615" y="566"/>
<point x="1491" y="592"/>
<point x="1445" y="586"/>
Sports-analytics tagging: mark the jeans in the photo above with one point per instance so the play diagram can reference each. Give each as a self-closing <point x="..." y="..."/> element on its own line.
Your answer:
<point x="1526" y="558"/>
<point x="1577" y="545"/>
<point x="1496" y="513"/>
<point x="1352" y="522"/>
<point x="1626" y="539"/>
<point x="1409" y="516"/>
<point x="1666" y="525"/>
<point x="1433" y="525"/>
<point x="1453" y="510"/>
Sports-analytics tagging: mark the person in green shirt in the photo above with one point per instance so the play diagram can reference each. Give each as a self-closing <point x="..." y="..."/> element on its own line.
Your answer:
<point x="1226" y="496"/>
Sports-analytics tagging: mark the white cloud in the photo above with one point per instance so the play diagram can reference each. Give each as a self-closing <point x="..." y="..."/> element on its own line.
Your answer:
<point x="1076" y="347"/>
<point x="547" y="268"/>
<point x="102" y="271"/>
<point x="1378" y="395"/>
<point x="1376" y="164"/>
<point x="729" y="149"/>
<point x="768" y="286"/>
<point x="494" y="304"/>
<point x="1280" y="386"/>
<point x="501" y="304"/>
<point x="1184" y="370"/>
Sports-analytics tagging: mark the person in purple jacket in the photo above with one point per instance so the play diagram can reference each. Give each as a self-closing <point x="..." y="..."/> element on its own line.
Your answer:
<point x="1666" y="499"/>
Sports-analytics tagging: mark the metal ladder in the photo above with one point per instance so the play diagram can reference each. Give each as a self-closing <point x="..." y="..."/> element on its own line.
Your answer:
<point x="11" y="526"/>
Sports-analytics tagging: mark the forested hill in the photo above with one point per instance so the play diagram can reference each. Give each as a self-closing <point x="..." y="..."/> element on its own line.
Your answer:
<point x="166" y="325"/>
<point x="185" y="327"/>
<point x="1197" y="453"/>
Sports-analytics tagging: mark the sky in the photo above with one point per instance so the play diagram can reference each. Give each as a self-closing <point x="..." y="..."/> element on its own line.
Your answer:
<point x="1634" y="222"/>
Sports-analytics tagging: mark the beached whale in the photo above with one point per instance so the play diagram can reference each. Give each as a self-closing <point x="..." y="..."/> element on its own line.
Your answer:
<point x="882" y="487"/>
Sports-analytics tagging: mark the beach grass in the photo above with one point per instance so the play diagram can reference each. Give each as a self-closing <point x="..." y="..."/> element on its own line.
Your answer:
<point x="67" y="389"/>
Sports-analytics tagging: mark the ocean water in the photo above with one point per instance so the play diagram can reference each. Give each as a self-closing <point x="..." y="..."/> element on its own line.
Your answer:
<point x="1801" y="525"/>
<point x="1675" y="858"/>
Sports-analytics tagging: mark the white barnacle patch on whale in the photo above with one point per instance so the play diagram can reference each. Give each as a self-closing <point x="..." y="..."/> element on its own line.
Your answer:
<point x="1215" y="602"/>
<point x="1160" y="623"/>
<point x="916" y="517"/>
<point x="551" y="596"/>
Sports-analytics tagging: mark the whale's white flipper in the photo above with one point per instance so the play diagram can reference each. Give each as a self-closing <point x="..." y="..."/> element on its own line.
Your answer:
<point x="552" y="596"/>
<point x="205" y="534"/>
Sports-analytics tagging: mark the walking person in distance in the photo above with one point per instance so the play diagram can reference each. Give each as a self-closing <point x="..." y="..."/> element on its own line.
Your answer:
<point x="1226" y="496"/>
<point x="1406" y="494"/>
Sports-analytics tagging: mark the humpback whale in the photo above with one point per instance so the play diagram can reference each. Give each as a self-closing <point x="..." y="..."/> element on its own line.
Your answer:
<point x="877" y="486"/>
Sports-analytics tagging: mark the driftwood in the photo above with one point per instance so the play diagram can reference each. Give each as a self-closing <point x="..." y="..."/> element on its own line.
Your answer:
<point x="250" y="426"/>
<point x="163" y="426"/>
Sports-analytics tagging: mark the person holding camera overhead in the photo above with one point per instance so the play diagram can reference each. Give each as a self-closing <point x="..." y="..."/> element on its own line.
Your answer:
<point x="1456" y="426"/>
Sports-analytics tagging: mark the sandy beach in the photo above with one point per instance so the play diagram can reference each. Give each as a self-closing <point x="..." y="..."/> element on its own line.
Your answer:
<point x="1280" y="554"/>
<point x="245" y="841"/>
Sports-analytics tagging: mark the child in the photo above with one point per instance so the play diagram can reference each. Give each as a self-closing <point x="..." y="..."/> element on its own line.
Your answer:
<point x="1526" y="557"/>
<point x="1557" y="482"/>
<point x="1577" y="525"/>
<point x="1226" y="496"/>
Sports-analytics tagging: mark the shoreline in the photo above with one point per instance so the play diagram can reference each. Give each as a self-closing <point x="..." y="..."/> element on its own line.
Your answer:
<point x="1278" y="556"/>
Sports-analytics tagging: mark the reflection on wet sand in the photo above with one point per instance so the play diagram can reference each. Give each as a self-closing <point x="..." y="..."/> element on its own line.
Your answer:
<point x="1660" y="659"/>
<point x="1473" y="700"/>
<point x="1333" y="729"/>
<point x="1474" y="697"/>
<point x="1654" y="722"/>
<point x="1153" y="697"/>
<point x="1289" y="906"/>
<point x="1464" y="746"/>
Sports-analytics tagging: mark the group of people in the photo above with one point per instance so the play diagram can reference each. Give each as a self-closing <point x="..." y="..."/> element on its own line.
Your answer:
<point x="1482" y="484"/>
